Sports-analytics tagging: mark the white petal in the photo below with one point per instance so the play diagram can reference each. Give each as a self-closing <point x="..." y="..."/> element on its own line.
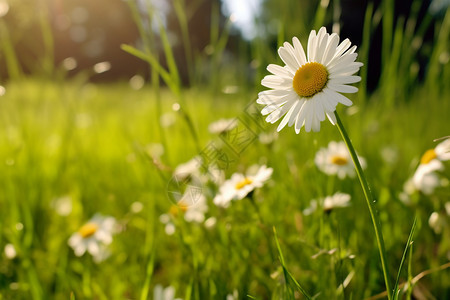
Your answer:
<point x="345" y="80"/>
<point x="309" y="116"/>
<point x="272" y="100"/>
<point x="329" y="104"/>
<point x="319" y="108"/>
<point x="279" y="71"/>
<point x="311" y="46"/>
<point x="338" y="97"/>
<point x="277" y="114"/>
<point x="93" y="247"/>
<point x="321" y="47"/>
<point x="331" y="48"/>
<point x="300" y="120"/>
<point x="288" y="59"/>
<point x="295" y="112"/>
<point x="293" y="54"/>
<point x="276" y="93"/>
<point x="316" y="124"/>
<point x="344" y="45"/>
<point x="269" y="109"/>
<point x="276" y="82"/>
<point x="351" y="50"/>
<point x="332" y="118"/>
<point x="301" y="57"/>
<point x="287" y="118"/>
<point x="346" y="70"/>
<point x="346" y="59"/>
<point x="316" y="44"/>
<point x="342" y="88"/>
<point x="80" y="249"/>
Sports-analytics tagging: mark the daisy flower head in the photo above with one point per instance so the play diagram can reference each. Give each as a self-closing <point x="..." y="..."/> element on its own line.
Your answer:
<point x="307" y="88"/>
<point x="93" y="236"/>
<point x="426" y="178"/>
<point x="169" y="226"/>
<point x="240" y="185"/>
<point x="194" y="205"/>
<point x="336" y="160"/>
<point x="160" y="293"/>
<point x="222" y="126"/>
<point x="329" y="203"/>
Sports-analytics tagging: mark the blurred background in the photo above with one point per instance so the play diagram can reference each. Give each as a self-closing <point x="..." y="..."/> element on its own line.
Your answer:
<point x="49" y="36"/>
<point x="102" y="101"/>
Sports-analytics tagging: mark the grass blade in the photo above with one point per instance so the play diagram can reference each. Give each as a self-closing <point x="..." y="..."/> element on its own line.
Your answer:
<point x="408" y="245"/>
<point x="288" y="275"/>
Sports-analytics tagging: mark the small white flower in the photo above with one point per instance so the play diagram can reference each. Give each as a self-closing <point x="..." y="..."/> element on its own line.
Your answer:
<point x="447" y="208"/>
<point x="169" y="225"/>
<point x="210" y="222"/>
<point x="437" y="222"/>
<point x="441" y="151"/>
<point x="267" y="138"/>
<point x="426" y="179"/>
<point x="189" y="168"/>
<point x="234" y="296"/>
<point x="93" y="236"/>
<point x="222" y="125"/>
<point x="197" y="173"/>
<point x="329" y="203"/>
<point x="337" y="200"/>
<point x="307" y="88"/>
<point x="408" y="189"/>
<point x="240" y="185"/>
<point x="167" y="119"/>
<point x="197" y="207"/>
<point x="10" y="251"/>
<point x="336" y="160"/>
<point x="62" y="205"/>
<point x="160" y="293"/>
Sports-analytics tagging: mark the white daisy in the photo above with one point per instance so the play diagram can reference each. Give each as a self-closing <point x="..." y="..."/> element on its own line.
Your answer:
<point x="437" y="222"/>
<point x="160" y="293"/>
<point x="222" y="125"/>
<point x="329" y="203"/>
<point x="194" y="206"/>
<point x="10" y="251"/>
<point x="240" y="185"/>
<point x="93" y="236"/>
<point x="189" y="168"/>
<point x="425" y="178"/>
<point x="440" y="152"/>
<point x="308" y="88"/>
<point x="196" y="172"/>
<point x="169" y="227"/>
<point x="336" y="160"/>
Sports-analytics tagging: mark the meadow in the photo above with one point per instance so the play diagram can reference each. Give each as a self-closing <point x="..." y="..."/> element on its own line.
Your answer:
<point x="71" y="149"/>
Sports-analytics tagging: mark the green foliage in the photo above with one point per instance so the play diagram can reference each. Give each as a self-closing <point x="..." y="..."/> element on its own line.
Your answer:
<point x="90" y="142"/>
<point x="95" y="145"/>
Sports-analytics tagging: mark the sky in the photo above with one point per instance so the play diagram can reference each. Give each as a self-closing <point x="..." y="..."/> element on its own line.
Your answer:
<point x="243" y="14"/>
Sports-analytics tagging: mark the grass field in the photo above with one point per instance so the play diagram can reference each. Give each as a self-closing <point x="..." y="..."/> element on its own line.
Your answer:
<point x="71" y="149"/>
<point x="88" y="143"/>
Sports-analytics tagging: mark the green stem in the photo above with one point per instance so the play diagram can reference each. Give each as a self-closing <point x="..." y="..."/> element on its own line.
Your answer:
<point x="370" y="203"/>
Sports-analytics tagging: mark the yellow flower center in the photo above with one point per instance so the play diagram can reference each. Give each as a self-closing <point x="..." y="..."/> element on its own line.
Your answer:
<point x="310" y="79"/>
<point x="339" y="160"/>
<point x="243" y="183"/>
<point x="174" y="209"/>
<point x="428" y="156"/>
<point x="87" y="230"/>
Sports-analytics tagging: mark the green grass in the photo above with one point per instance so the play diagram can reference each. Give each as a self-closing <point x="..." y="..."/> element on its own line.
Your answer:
<point x="92" y="143"/>
<point x="88" y="141"/>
